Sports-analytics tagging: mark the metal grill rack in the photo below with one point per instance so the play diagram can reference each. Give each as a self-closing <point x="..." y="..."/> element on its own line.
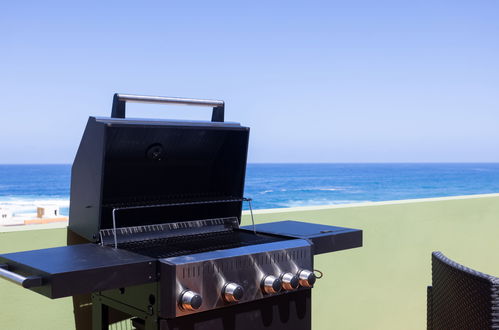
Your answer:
<point x="179" y="238"/>
<point x="117" y="236"/>
<point x="181" y="245"/>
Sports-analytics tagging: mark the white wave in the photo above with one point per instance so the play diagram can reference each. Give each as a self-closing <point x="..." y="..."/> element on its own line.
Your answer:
<point x="479" y="169"/>
<point x="266" y="191"/>
<point x="304" y="189"/>
<point x="29" y="204"/>
<point x="318" y="202"/>
<point x="317" y="189"/>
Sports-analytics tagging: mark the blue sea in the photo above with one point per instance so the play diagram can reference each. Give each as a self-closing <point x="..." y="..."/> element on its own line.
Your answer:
<point x="285" y="185"/>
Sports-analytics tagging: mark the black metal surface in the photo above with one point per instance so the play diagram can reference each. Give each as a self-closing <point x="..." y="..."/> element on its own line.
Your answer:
<point x="125" y="162"/>
<point x="324" y="238"/>
<point x="177" y="246"/>
<point x="217" y="114"/>
<point x="84" y="268"/>
<point x="86" y="182"/>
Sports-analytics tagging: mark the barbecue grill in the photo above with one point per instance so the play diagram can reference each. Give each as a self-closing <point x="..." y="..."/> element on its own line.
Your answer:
<point x="159" y="203"/>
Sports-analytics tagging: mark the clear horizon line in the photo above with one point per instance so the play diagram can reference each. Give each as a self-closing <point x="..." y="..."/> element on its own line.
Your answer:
<point x="308" y="163"/>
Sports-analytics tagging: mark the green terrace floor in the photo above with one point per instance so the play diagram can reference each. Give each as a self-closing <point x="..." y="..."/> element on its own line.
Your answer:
<point x="381" y="285"/>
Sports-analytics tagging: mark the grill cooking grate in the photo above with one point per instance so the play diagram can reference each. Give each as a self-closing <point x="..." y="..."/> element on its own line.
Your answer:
<point x="189" y="244"/>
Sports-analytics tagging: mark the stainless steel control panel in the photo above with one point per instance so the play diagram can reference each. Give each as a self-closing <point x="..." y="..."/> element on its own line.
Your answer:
<point x="221" y="278"/>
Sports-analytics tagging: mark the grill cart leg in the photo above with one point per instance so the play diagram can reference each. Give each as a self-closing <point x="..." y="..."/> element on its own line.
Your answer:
<point x="100" y="314"/>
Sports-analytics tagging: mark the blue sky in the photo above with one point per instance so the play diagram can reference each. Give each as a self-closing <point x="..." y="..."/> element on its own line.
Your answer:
<point x="332" y="81"/>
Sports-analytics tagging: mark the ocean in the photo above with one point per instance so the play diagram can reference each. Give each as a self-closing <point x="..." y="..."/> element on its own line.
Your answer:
<point x="285" y="185"/>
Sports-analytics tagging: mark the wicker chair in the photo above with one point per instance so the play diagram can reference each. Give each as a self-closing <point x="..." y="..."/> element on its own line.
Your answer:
<point x="460" y="297"/>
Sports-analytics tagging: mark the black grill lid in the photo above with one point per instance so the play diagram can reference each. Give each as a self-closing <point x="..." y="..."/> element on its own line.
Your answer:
<point x="185" y="170"/>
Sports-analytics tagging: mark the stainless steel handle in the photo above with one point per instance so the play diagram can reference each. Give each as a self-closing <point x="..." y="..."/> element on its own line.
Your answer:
<point x="26" y="282"/>
<point x="119" y="101"/>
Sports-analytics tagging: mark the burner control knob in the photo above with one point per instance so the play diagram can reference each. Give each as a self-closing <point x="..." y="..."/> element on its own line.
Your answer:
<point x="289" y="281"/>
<point x="232" y="292"/>
<point x="271" y="284"/>
<point x="307" y="278"/>
<point x="190" y="300"/>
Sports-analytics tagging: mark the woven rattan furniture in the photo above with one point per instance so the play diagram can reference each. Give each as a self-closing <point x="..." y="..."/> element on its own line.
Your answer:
<point x="460" y="297"/>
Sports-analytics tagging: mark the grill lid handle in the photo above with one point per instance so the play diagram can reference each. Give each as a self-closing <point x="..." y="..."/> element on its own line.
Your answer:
<point x="119" y="101"/>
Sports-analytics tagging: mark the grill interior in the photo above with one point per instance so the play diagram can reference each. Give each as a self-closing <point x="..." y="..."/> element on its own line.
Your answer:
<point x="189" y="244"/>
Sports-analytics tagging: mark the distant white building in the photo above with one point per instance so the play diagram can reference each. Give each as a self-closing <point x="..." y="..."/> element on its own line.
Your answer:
<point x="47" y="211"/>
<point x="5" y="214"/>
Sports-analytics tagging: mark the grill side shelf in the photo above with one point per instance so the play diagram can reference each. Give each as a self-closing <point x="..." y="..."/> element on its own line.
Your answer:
<point x="323" y="237"/>
<point x="78" y="269"/>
